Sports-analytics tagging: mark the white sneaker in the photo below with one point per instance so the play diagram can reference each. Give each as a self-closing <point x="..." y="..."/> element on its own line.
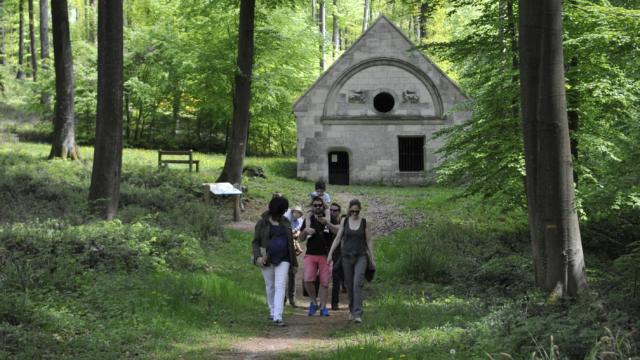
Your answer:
<point x="357" y="320"/>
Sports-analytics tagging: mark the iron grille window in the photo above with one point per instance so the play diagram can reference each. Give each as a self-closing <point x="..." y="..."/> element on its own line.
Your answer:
<point x="411" y="153"/>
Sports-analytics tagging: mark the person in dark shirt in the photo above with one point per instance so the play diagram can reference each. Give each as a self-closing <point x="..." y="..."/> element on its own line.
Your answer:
<point x="318" y="237"/>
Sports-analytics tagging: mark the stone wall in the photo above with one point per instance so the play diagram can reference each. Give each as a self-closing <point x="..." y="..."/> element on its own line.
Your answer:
<point x="337" y="113"/>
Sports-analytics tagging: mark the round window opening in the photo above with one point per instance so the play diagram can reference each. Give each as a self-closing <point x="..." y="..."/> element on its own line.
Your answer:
<point x="383" y="102"/>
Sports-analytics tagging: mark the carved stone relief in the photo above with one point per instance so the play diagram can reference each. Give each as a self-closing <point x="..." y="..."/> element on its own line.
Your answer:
<point x="410" y="97"/>
<point x="357" y="97"/>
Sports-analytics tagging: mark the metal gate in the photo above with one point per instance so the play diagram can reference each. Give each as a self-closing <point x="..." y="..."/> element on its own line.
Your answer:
<point x="339" y="168"/>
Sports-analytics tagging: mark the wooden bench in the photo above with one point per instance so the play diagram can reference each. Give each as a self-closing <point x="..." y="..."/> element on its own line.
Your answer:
<point x="188" y="153"/>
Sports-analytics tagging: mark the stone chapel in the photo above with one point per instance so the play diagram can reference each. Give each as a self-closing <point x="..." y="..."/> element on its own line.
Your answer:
<point x="370" y="117"/>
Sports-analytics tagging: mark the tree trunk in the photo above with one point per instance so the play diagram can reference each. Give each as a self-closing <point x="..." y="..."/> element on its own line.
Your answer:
<point x="424" y="16"/>
<point x="411" y="27"/>
<point x="313" y="11"/>
<point x="573" y="99"/>
<point x="44" y="45"/>
<point x="32" y="43"/>
<point x="104" y="192"/>
<point x="323" y="35"/>
<point x="3" y="60"/>
<point x="365" y="18"/>
<point x="236" y="151"/>
<point x="127" y="129"/>
<point x="64" y="139"/>
<point x="557" y="249"/>
<point x="336" y="30"/>
<point x="20" y="74"/>
<point x="177" y="96"/>
<point x="89" y="20"/>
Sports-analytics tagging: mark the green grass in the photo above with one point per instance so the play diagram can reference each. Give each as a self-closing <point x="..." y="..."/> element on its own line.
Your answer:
<point x="165" y="281"/>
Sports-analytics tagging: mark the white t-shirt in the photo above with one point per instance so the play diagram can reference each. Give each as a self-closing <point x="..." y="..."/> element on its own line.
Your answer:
<point x="325" y="197"/>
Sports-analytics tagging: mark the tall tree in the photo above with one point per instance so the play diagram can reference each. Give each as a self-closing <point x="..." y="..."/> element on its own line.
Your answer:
<point x="44" y="44"/>
<point x="32" y="43"/>
<point x="2" y="50"/>
<point x="89" y="20"/>
<point x="323" y="34"/>
<point x="336" y="29"/>
<point x="20" y="74"/>
<point x="104" y="192"/>
<point x="555" y="234"/>
<point x="365" y="18"/>
<point x="63" y="143"/>
<point x="237" y="148"/>
<point x="423" y="17"/>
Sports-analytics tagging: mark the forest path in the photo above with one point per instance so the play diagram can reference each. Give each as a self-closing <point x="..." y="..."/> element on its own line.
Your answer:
<point x="304" y="333"/>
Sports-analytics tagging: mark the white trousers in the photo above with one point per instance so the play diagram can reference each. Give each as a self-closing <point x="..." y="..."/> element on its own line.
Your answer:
<point x="275" y="281"/>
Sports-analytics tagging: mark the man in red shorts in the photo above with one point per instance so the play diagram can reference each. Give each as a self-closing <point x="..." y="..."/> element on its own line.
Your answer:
<point x="318" y="236"/>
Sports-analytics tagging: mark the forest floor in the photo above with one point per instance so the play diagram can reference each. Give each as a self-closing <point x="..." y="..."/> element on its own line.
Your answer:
<point x="170" y="278"/>
<point x="304" y="333"/>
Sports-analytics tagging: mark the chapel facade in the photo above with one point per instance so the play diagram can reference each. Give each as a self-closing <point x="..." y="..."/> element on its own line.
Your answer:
<point x="371" y="116"/>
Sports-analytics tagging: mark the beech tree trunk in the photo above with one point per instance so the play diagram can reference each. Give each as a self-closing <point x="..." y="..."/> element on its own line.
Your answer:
<point x="64" y="139"/>
<point x="365" y="18"/>
<point x="323" y="35"/>
<point x="32" y="43"/>
<point x="424" y="16"/>
<point x="237" y="148"/>
<point x="44" y="45"/>
<point x="336" y="30"/>
<point x="89" y="20"/>
<point x="3" y="60"/>
<point x="104" y="192"/>
<point x="555" y="234"/>
<point x="20" y="73"/>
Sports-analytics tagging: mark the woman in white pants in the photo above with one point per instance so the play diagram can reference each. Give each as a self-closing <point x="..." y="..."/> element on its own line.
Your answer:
<point x="273" y="252"/>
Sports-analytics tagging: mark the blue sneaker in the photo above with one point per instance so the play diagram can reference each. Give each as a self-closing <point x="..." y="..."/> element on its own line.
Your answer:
<point x="324" y="312"/>
<point x="312" y="309"/>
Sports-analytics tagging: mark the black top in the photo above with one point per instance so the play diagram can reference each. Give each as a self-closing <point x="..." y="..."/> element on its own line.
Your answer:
<point x="279" y="247"/>
<point x="320" y="242"/>
<point x="355" y="242"/>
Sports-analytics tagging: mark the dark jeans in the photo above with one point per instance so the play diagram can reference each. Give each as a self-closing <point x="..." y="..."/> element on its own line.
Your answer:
<point x="354" y="268"/>
<point x="336" y="284"/>
<point x="291" y="284"/>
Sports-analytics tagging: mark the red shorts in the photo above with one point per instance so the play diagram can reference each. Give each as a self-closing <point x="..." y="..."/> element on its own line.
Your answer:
<point x="314" y="264"/>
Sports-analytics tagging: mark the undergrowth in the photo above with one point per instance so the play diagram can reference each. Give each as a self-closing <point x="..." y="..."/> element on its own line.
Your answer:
<point x="165" y="281"/>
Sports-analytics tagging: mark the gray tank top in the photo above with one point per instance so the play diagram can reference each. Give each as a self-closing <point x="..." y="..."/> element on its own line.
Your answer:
<point x="354" y="241"/>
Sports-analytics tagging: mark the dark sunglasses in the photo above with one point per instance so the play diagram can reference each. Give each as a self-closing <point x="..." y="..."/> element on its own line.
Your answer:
<point x="335" y="210"/>
<point x="354" y="211"/>
<point x="317" y="205"/>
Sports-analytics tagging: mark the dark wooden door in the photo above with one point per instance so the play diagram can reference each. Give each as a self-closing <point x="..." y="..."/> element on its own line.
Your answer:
<point x="339" y="168"/>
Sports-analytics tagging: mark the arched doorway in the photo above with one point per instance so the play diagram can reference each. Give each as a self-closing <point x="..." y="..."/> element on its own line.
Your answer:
<point x="338" y="168"/>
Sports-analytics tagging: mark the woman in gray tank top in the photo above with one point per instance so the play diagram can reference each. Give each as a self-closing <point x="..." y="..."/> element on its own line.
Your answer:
<point x="357" y="252"/>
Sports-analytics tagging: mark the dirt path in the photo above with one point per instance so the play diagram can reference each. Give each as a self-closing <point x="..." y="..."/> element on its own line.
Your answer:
<point x="305" y="333"/>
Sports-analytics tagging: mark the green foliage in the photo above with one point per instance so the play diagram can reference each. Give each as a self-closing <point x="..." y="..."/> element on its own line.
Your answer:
<point x="628" y="267"/>
<point x="73" y="287"/>
<point x="601" y="47"/>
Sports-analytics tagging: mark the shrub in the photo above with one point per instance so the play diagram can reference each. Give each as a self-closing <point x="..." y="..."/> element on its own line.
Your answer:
<point x="506" y="271"/>
<point x="52" y="254"/>
<point x="194" y="218"/>
<point x="426" y="261"/>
